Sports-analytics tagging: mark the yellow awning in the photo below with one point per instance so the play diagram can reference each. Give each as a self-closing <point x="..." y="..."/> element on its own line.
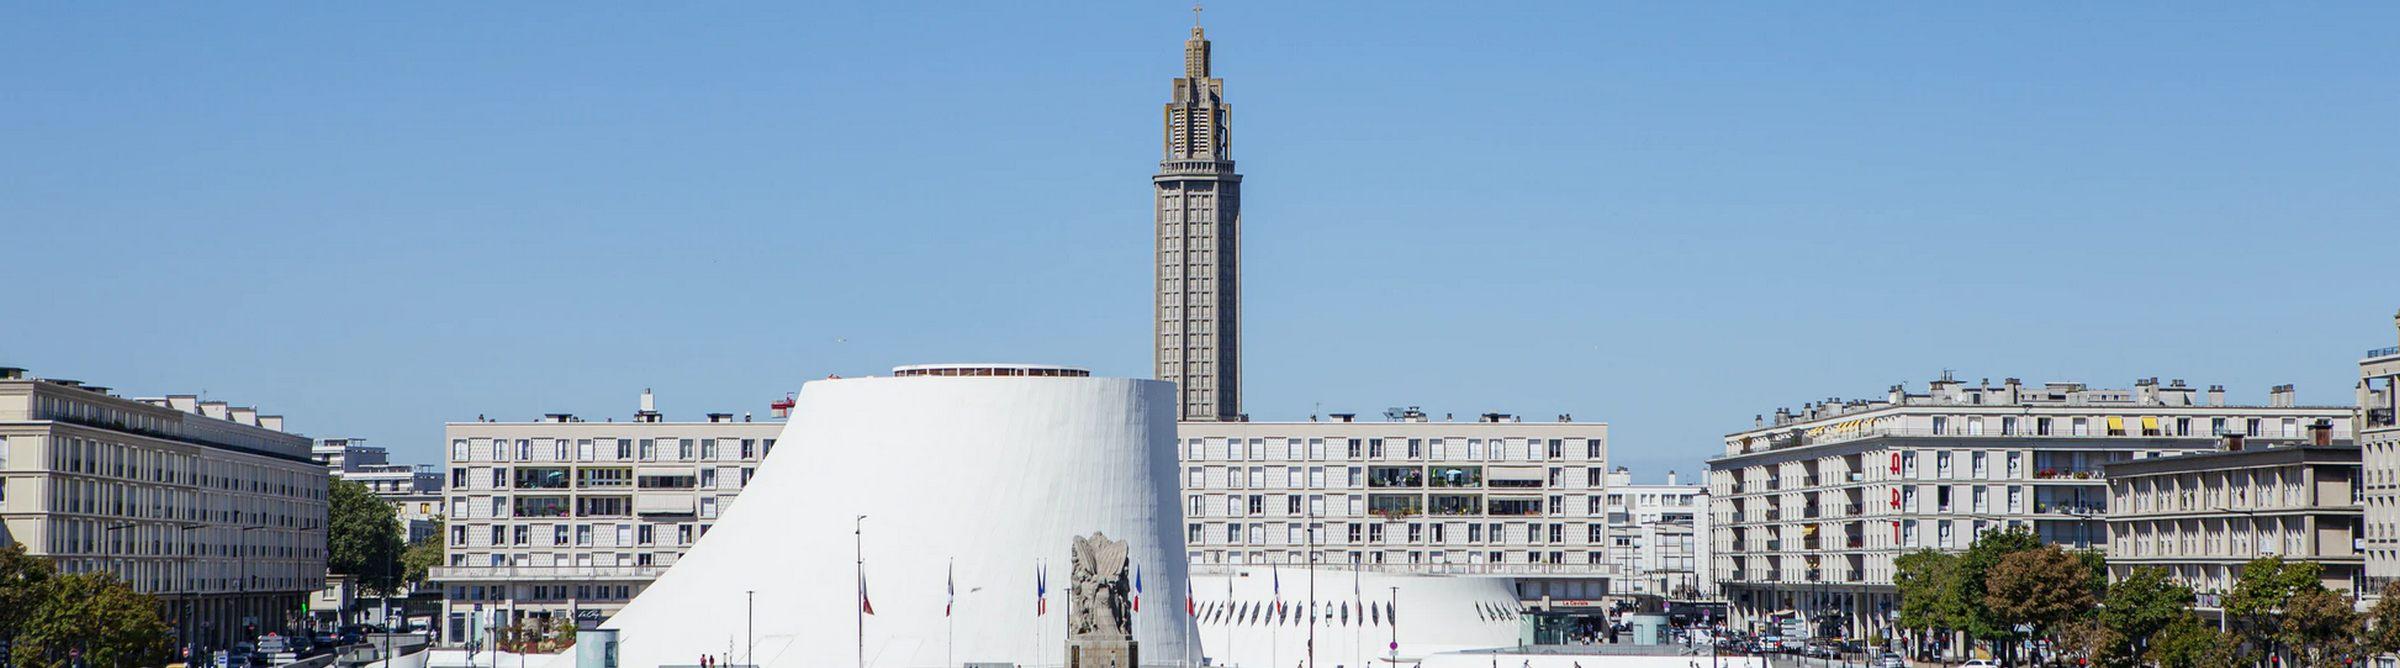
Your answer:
<point x="2149" y="425"/>
<point x="2116" y="424"/>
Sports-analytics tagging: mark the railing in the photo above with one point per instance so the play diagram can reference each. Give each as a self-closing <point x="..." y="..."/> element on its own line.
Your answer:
<point x="2380" y="417"/>
<point x="1855" y="542"/>
<point x="1810" y="512"/>
<point x="2060" y="433"/>
<point x="2383" y="352"/>
<point x="543" y="572"/>
<point x="2069" y="508"/>
<point x="1427" y="569"/>
<point x="2069" y="474"/>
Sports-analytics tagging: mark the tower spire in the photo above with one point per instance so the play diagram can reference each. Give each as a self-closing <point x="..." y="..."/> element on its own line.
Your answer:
<point x="1199" y="243"/>
<point x="1195" y="50"/>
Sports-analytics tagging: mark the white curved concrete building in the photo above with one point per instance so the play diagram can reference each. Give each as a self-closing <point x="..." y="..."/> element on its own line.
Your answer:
<point x="1355" y="625"/>
<point x="978" y="472"/>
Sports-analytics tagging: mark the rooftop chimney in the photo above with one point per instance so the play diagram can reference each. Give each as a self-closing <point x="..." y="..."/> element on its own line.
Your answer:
<point x="2216" y="395"/>
<point x="720" y="417"/>
<point x="2280" y="396"/>
<point x="2230" y="441"/>
<point x="2320" y="432"/>
<point x="12" y="373"/>
<point x="1670" y="477"/>
<point x="1344" y="417"/>
<point x="558" y="417"/>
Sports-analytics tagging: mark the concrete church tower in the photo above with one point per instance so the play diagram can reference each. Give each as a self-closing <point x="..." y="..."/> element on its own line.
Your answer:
<point x="1199" y="245"/>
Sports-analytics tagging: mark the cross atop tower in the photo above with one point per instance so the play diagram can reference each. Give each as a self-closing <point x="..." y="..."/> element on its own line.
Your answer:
<point x="1196" y="15"/>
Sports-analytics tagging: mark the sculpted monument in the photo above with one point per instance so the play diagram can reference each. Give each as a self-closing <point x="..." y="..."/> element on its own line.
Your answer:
<point x="1100" y="624"/>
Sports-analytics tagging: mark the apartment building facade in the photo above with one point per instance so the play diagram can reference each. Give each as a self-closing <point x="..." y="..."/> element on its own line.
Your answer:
<point x="1658" y="538"/>
<point x="1496" y="496"/>
<point x="565" y="520"/>
<point x="2202" y="516"/>
<point x="2379" y="446"/>
<point x="212" y="508"/>
<point x="1811" y="506"/>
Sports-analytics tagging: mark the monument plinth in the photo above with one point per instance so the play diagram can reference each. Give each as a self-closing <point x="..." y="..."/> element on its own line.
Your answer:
<point x="1100" y="621"/>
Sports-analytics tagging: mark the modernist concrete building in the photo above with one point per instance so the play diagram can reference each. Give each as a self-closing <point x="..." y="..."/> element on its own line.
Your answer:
<point x="1264" y="616"/>
<point x="1494" y="496"/>
<point x="2202" y="516"/>
<point x="567" y="519"/>
<point x="955" y="492"/>
<point x="2379" y="442"/>
<point x="1199" y="201"/>
<point x="1658" y="538"/>
<point x="1812" y="505"/>
<point x="213" y="508"/>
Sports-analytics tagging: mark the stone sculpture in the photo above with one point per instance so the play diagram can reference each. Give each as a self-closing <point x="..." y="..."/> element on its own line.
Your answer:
<point x="1100" y="621"/>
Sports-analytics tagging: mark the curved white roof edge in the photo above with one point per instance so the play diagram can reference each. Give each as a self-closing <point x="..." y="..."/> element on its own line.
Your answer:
<point x="906" y="369"/>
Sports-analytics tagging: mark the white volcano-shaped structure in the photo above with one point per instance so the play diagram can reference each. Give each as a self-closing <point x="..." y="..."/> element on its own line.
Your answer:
<point x="973" y="474"/>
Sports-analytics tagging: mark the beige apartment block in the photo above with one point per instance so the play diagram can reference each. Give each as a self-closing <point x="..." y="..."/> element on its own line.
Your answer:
<point x="565" y="520"/>
<point x="1492" y="496"/>
<point x="2379" y="443"/>
<point x="2202" y="516"/>
<point x="1811" y="505"/>
<point x="210" y="507"/>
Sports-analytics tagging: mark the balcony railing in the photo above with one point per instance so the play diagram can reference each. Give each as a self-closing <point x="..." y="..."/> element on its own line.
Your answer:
<point x="2380" y="417"/>
<point x="2069" y="474"/>
<point x="1810" y="512"/>
<point x="445" y="573"/>
<point x="2383" y="352"/>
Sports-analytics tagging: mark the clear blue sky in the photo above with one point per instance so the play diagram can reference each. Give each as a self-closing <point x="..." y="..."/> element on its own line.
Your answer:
<point x="378" y="219"/>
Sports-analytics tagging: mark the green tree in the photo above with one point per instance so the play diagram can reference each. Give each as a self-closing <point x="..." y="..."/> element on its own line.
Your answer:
<point x="2043" y="587"/>
<point x="422" y="556"/>
<point x="2189" y="642"/>
<point x="2321" y="628"/>
<point x="363" y="539"/>
<point x="93" y="615"/>
<point x="23" y="579"/>
<point x="2146" y="601"/>
<point x="2264" y="591"/>
<point x="2383" y="622"/>
<point x="1931" y="596"/>
<point x="1975" y="566"/>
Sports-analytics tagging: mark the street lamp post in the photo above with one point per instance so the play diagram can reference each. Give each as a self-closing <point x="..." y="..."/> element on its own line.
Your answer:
<point x="184" y="590"/>
<point x="1394" y="619"/>
<point x="242" y="561"/>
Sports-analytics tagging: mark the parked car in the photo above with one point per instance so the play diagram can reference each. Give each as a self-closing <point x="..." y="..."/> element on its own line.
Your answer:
<point x="1978" y="663"/>
<point x="1891" y="660"/>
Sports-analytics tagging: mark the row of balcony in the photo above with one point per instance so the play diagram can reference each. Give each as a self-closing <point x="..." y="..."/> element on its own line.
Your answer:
<point x="1814" y="575"/>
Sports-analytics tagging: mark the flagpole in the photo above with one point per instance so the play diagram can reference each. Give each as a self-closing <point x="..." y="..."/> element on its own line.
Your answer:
<point x="950" y="620"/>
<point x="858" y="551"/>
<point x="1311" y="531"/>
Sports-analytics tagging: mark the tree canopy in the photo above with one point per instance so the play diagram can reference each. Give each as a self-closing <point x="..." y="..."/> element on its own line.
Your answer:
<point x="422" y="556"/>
<point x="55" y="618"/>
<point x="363" y="537"/>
